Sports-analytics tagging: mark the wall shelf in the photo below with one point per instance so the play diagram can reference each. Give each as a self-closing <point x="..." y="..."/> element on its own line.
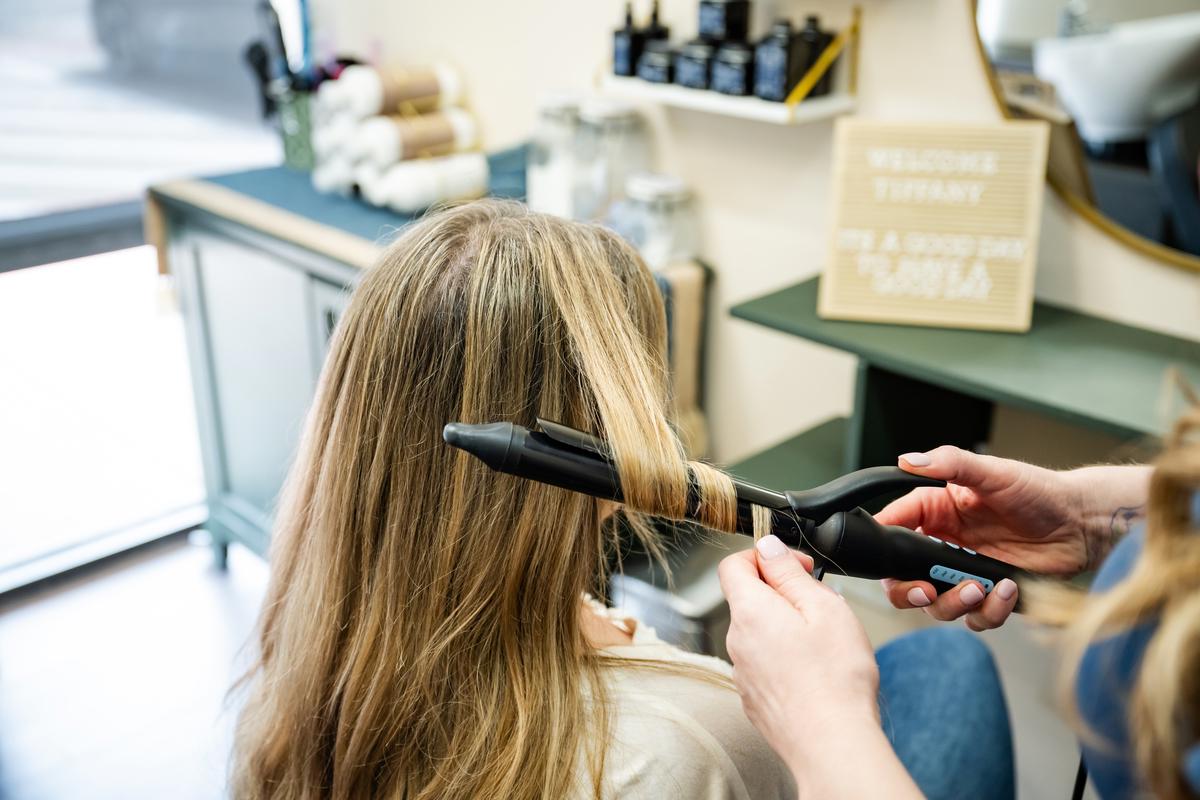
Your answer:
<point x="817" y="108"/>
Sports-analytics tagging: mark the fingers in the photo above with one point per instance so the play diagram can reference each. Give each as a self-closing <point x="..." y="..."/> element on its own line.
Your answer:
<point x="962" y="467"/>
<point x="909" y="594"/>
<point x="929" y="508"/>
<point x="957" y="602"/>
<point x="785" y="571"/>
<point x="996" y="607"/>
<point x="740" y="581"/>
<point x="982" y="612"/>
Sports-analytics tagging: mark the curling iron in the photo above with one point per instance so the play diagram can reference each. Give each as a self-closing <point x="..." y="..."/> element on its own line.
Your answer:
<point x="826" y="522"/>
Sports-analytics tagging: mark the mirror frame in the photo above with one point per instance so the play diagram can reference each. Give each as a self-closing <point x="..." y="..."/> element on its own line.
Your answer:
<point x="1136" y="242"/>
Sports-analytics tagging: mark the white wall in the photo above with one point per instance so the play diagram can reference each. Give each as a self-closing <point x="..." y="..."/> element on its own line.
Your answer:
<point x="762" y="188"/>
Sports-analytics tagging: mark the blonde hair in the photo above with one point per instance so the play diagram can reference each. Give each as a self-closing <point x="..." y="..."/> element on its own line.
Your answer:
<point x="1164" y="585"/>
<point x="421" y="634"/>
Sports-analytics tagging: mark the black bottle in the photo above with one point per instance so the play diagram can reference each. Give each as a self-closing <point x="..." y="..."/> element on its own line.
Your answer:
<point x="733" y="69"/>
<point x="812" y="42"/>
<point x="778" y="62"/>
<point x="627" y="45"/>
<point x="693" y="64"/>
<point x="656" y="30"/>
<point x="722" y="20"/>
<point x="657" y="63"/>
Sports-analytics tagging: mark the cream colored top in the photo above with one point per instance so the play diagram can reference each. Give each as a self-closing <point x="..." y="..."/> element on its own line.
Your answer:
<point x="675" y="736"/>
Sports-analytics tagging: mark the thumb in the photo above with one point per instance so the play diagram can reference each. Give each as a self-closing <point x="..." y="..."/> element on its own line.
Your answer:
<point x="783" y="571"/>
<point x="962" y="467"/>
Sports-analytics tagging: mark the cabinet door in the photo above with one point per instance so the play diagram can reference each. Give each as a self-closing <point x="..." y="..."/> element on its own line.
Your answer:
<point x="329" y="301"/>
<point x="258" y="331"/>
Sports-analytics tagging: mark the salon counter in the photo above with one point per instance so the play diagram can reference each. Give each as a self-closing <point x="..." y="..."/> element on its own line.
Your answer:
<point x="919" y="387"/>
<point x="262" y="266"/>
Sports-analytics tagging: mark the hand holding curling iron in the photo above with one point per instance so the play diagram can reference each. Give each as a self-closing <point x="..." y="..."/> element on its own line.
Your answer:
<point x="1048" y="522"/>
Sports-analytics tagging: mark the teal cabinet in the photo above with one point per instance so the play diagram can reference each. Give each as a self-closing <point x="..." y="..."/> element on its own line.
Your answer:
<point x="259" y="314"/>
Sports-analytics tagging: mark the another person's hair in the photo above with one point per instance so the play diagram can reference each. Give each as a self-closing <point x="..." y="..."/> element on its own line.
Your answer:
<point x="421" y="637"/>
<point x="1163" y="586"/>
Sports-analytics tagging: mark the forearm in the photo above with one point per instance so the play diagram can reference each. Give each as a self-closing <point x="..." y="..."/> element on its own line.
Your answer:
<point x="1111" y="500"/>
<point x="851" y="760"/>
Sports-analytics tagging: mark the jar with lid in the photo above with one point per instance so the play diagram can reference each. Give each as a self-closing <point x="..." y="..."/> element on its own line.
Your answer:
<point x="612" y="144"/>
<point x="693" y="64"/>
<point x="658" y="217"/>
<point x="552" y="171"/>
<point x="733" y="69"/>
<point x="657" y="64"/>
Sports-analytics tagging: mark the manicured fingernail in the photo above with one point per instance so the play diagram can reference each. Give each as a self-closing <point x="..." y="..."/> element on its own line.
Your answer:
<point x="1006" y="589"/>
<point x="917" y="459"/>
<point x="771" y="547"/>
<point x="916" y="596"/>
<point x="971" y="594"/>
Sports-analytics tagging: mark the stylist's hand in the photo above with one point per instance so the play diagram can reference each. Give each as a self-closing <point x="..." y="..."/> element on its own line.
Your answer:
<point x="799" y="653"/>
<point x="807" y="676"/>
<point x="1028" y="516"/>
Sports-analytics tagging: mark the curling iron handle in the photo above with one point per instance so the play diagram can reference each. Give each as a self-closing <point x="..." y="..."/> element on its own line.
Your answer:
<point x="854" y="489"/>
<point x="853" y="543"/>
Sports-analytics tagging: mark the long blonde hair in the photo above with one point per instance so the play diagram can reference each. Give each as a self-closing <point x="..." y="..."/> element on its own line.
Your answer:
<point x="421" y="634"/>
<point x="1164" y="585"/>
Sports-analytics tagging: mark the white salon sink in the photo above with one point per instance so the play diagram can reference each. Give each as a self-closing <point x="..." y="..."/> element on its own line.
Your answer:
<point x="1118" y="84"/>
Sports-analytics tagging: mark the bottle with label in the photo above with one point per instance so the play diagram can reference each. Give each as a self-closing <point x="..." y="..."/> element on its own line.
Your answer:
<point x="812" y="42"/>
<point x="722" y="20"/>
<point x="733" y="69"/>
<point x="656" y="30"/>
<point x="627" y="45"/>
<point x="778" y="63"/>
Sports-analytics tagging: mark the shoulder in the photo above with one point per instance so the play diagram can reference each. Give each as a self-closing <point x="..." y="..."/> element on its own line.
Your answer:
<point x="684" y="734"/>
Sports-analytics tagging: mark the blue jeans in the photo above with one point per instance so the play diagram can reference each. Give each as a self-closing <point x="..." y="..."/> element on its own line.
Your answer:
<point x="943" y="711"/>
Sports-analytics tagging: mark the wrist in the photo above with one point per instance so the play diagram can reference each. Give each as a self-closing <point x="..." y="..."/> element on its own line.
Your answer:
<point x="819" y="765"/>
<point x="825" y="736"/>
<point x="1109" y="501"/>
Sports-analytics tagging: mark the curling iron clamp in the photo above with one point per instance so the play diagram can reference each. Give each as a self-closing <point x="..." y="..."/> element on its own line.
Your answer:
<point x="826" y="522"/>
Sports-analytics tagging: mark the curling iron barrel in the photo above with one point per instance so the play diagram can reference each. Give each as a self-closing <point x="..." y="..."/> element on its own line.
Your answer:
<point x="825" y="521"/>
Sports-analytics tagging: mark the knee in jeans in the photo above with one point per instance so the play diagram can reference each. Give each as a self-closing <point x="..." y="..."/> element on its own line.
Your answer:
<point x="958" y="649"/>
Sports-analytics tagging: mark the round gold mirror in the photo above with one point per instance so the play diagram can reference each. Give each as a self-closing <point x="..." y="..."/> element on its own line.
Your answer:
<point x="1119" y="83"/>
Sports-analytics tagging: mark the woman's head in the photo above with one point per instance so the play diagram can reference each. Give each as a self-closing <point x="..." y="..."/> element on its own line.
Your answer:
<point x="421" y="632"/>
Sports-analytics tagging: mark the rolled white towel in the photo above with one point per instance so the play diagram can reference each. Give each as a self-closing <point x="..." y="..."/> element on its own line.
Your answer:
<point x="413" y="186"/>
<point x="333" y="176"/>
<point x="369" y="179"/>
<point x="369" y="90"/>
<point x="386" y="140"/>
<point x="333" y="136"/>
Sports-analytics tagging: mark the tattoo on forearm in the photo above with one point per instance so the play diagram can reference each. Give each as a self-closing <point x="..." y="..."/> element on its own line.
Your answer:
<point x="1122" y="520"/>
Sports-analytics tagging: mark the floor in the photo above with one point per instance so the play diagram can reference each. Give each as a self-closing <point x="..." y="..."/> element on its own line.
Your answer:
<point x="114" y="685"/>
<point x="76" y="132"/>
<point x="97" y="423"/>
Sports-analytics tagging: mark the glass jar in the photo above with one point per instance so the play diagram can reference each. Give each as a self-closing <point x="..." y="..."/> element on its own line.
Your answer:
<point x="552" y="171"/>
<point x="612" y="144"/>
<point x="658" y="217"/>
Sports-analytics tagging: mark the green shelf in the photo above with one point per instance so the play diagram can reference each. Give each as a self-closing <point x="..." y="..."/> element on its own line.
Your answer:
<point x="803" y="461"/>
<point x="1073" y="366"/>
